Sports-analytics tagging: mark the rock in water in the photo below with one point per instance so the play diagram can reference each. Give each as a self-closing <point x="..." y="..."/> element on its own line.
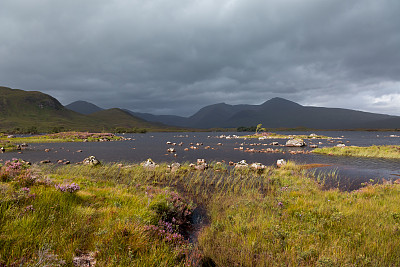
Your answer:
<point x="201" y="165"/>
<point x="281" y="163"/>
<point x="295" y="142"/>
<point x="91" y="161"/>
<point x="241" y="164"/>
<point x="175" y="166"/>
<point x="257" y="166"/>
<point x="149" y="164"/>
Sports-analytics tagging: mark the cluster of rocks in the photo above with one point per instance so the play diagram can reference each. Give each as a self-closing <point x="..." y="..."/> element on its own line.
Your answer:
<point x="228" y="136"/>
<point x="174" y="167"/>
<point x="244" y="165"/>
<point x="174" y="144"/>
<point x="63" y="161"/>
<point x="149" y="164"/>
<point x="200" y="165"/>
<point x="265" y="150"/>
<point x="91" y="161"/>
<point x="295" y="152"/>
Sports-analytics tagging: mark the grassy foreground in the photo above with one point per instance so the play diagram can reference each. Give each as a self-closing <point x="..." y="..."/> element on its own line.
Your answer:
<point x="131" y="216"/>
<point x="390" y="152"/>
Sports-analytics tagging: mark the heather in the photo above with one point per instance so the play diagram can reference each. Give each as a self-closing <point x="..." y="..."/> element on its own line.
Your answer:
<point x="145" y="215"/>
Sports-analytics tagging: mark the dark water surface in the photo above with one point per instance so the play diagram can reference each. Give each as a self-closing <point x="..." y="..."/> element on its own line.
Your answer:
<point x="350" y="170"/>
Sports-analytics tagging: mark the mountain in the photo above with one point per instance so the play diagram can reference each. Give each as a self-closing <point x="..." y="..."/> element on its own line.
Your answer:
<point x="83" y="107"/>
<point x="282" y="113"/>
<point x="279" y="113"/>
<point x="35" y="111"/>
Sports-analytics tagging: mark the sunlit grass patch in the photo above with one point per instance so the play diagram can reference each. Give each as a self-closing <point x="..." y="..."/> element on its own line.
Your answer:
<point x="389" y="151"/>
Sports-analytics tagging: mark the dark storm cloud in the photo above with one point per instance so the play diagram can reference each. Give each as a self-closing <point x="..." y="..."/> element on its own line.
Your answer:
<point x="177" y="56"/>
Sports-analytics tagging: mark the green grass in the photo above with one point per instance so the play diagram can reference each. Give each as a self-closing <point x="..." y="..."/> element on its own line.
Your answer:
<point x="274" y="217"/>
<point x="391" y="152"/>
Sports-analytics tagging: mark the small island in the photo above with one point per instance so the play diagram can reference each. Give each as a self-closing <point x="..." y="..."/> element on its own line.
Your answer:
<point x="11" y="142"/>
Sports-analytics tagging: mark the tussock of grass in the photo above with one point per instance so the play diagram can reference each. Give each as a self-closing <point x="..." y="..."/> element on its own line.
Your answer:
<point x="270" y="217"/>
<point x="391" y="152"/>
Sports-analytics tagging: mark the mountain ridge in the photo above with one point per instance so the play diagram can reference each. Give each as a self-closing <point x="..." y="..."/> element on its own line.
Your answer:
<point x="276" y="112"/>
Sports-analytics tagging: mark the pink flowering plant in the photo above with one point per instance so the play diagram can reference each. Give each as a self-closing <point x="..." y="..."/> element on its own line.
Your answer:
<point x="71" y="188"/>
<point x="13" y="168"/>
<point x="174" y="218"/>
<point x="169" y="206"/>
<point x="167" y="232"/>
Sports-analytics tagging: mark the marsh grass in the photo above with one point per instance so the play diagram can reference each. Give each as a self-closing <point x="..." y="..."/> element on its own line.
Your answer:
<point x="389" y="151"/>
<point x="273" y="217"/>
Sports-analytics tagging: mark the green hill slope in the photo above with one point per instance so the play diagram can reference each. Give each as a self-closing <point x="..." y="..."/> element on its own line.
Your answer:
<point x="25" y="111"/>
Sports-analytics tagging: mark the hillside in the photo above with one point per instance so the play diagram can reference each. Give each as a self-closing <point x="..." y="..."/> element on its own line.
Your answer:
<point x="116" y="117"/>
<point x="30" y="111"/>
<point x="27" y="109"/>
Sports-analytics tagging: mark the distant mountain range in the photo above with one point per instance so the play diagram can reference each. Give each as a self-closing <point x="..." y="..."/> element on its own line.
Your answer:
<point x="24" y="110"/>
<point x="274" y="113"/>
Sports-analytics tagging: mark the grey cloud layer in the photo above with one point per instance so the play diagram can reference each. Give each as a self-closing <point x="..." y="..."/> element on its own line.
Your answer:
<point x="177" y="56"/>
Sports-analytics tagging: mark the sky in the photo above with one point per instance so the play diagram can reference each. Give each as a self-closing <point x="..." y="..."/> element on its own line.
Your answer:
<point x="175" y="57"/>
